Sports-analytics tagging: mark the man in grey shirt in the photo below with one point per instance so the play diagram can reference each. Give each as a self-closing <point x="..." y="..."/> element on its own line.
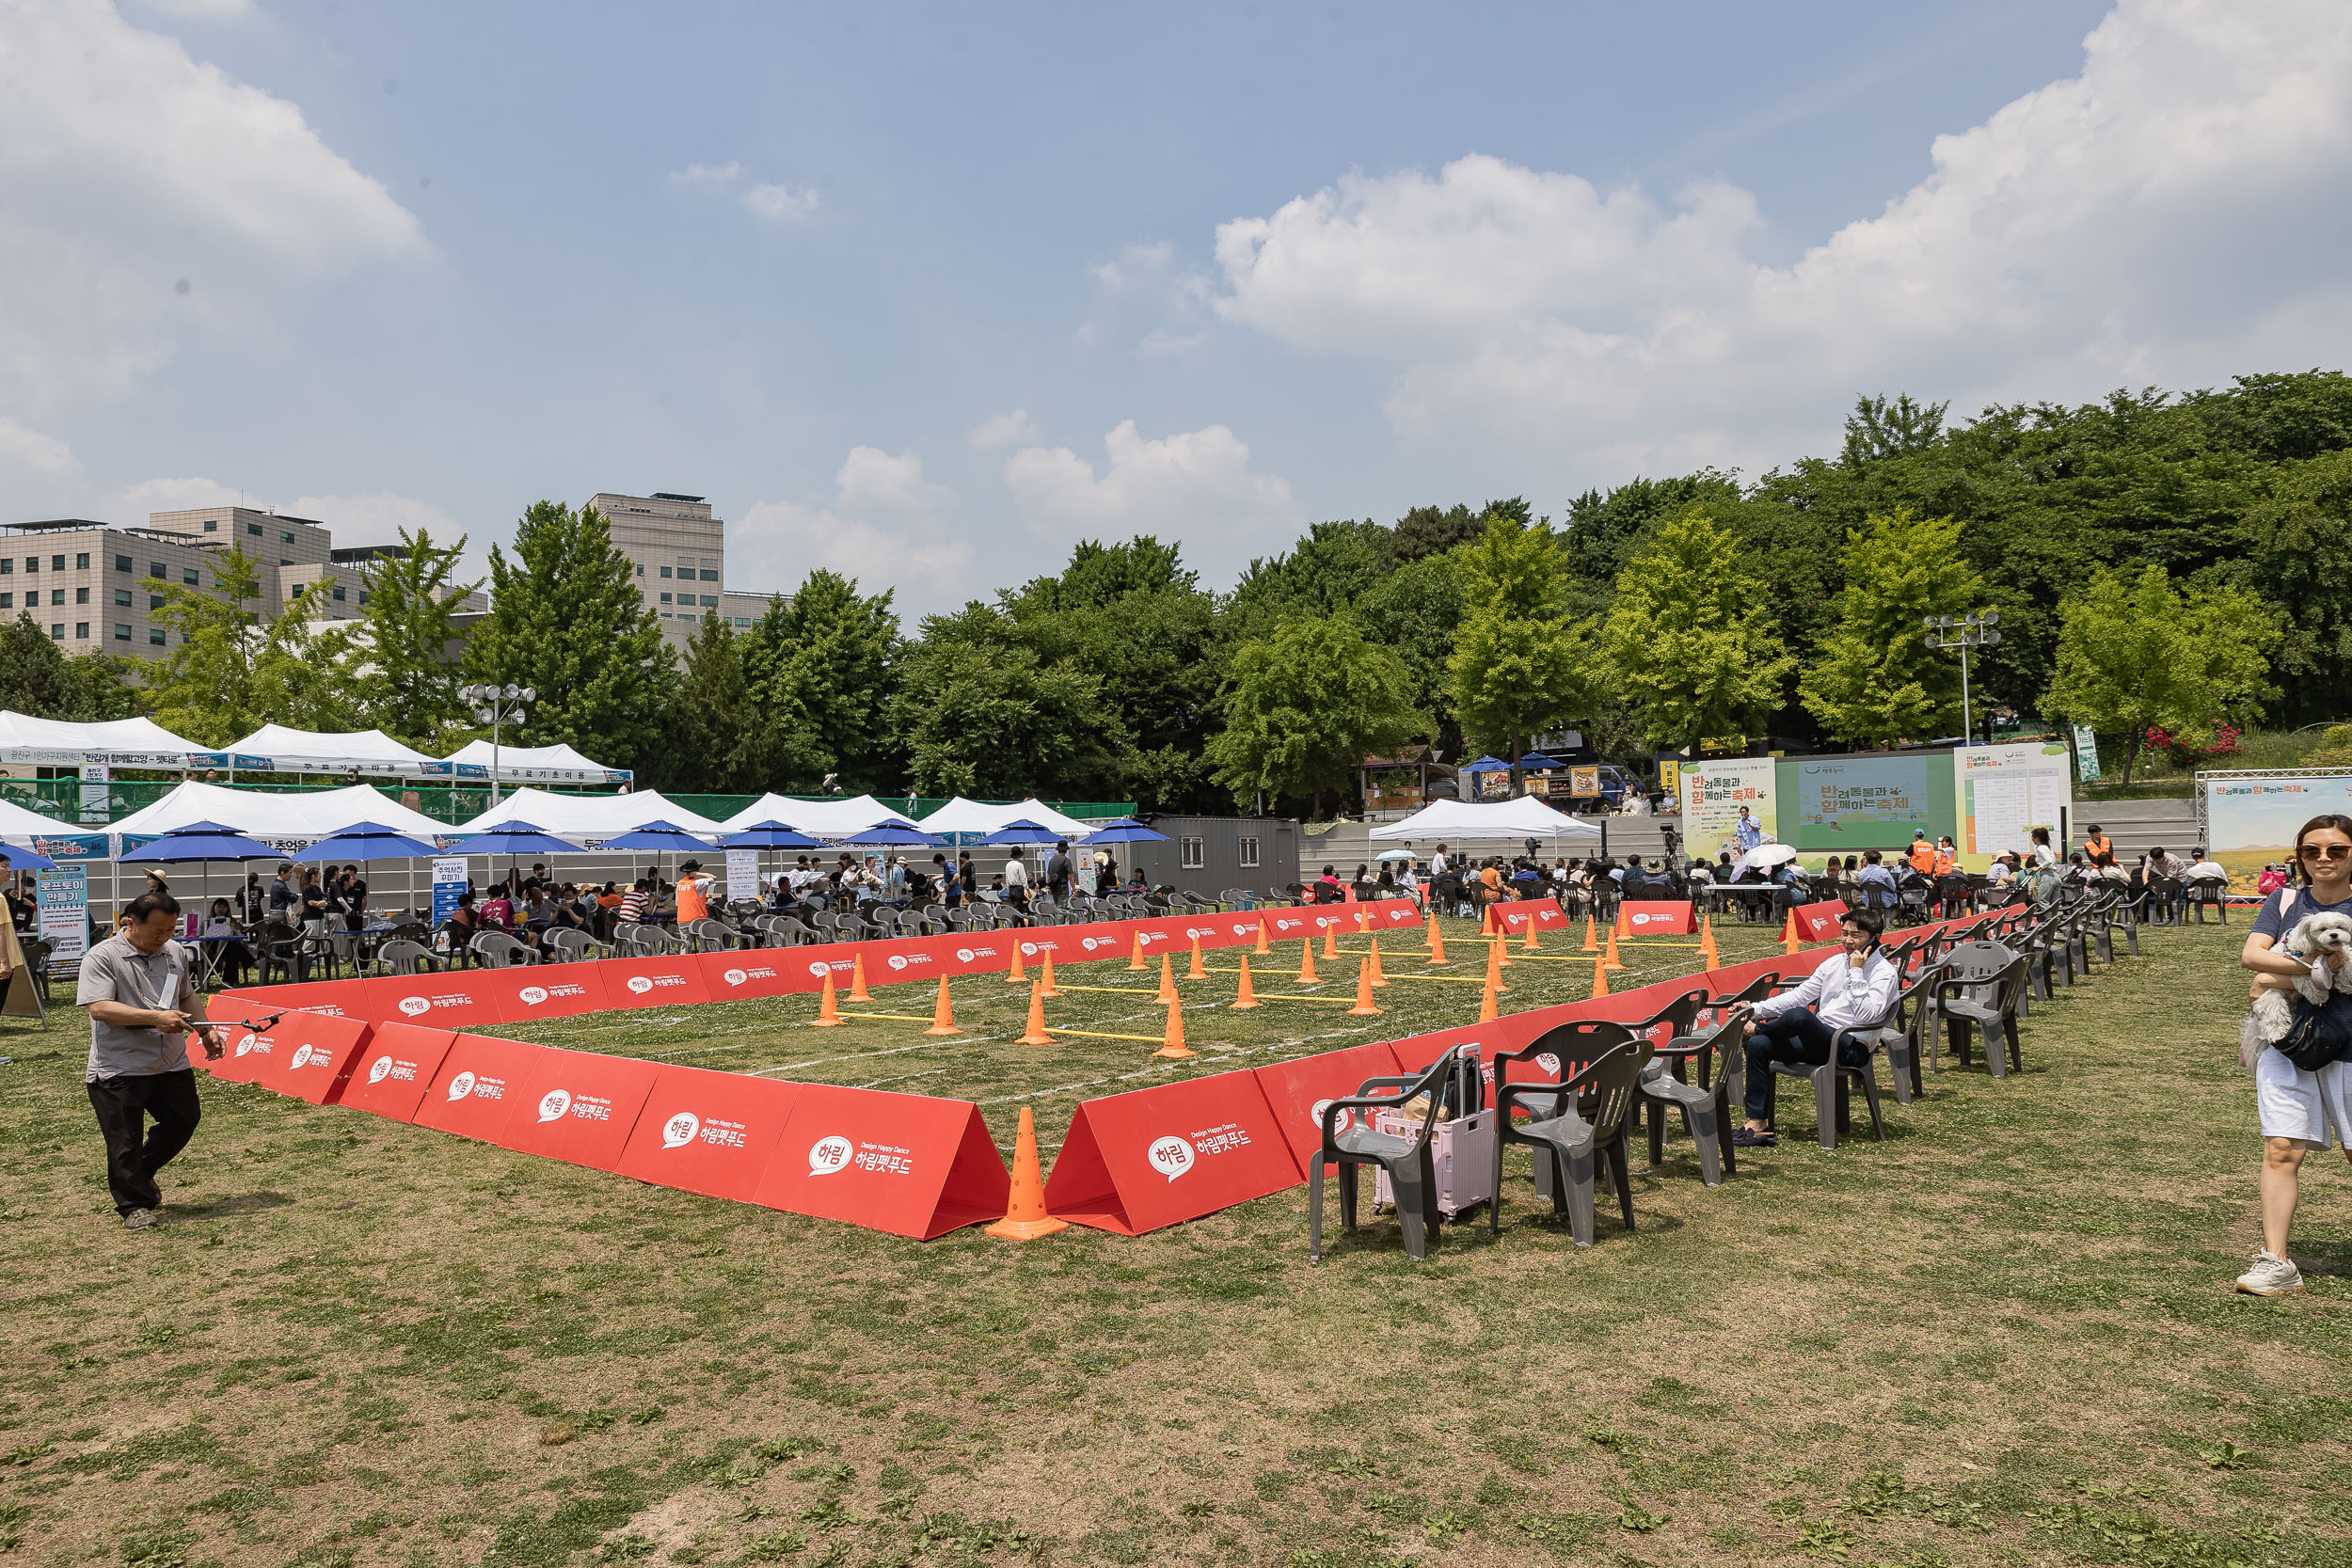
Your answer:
<point x="141" y="1008"/>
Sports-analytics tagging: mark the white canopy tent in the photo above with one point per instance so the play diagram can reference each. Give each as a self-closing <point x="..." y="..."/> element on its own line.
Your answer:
<point x="536" y="765"/>
<point x="17" y="825"/>
<point x="1525" y="817"/>
<point x="961" y="815"/>
<point x="372" y="751"/>
<point x="585" y="818"/>
<point x="290" y="820"/>
<point x="830" y="820"/>
<point x="119" y="742"/>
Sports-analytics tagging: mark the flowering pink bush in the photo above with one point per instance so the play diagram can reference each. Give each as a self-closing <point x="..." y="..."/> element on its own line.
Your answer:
<point x="2187" y="748"/>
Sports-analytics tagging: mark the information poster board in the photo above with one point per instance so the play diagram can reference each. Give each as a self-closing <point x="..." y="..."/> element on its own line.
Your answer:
<point x="742" y="874"/>
<point x="2087" y="752"/>
<point x="1713" y="794"/>
<point x="63" y="899"/>
<point x="2004" y="793"/>
<point x="2251" y="819"/>
<point x="1867" y="802"/>
<point x="449" y="880"/>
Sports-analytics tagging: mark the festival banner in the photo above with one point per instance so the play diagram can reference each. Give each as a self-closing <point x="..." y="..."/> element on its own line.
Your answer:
<point x="395" y="1067"/>
<point x="1296" y="1091"/>
<point x="2004" y="793"/>
<point x="905" y="1163"/>
<point x="708" y="1132"/>
<point x="1658" y="918"/>
<point x="579" y="1106"/>
<point x="2250" y="819"/>
<point x="1133" y="1162"/>
<point x="663" y="982"/>
<point x="474" y="1089"/>
<point x="1713" y="794"/>
<point x="1867" y="802"/>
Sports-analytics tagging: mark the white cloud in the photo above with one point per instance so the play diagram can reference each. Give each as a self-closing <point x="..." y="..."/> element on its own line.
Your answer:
<point x="29" y="449"/>
<point x="780" y="203"/>
<point x="705" y="174"/>
<point x="2172" y="214"/>
<point x="203" y="11"/>
<point x="872" y="478"/>
<point x="1135" y="265"/>
<point x="1005" y="430"/>
<point x="376" y="518"/>
<point x="1194" y="488"/>
<point x="1160" y="343"/>
<point x="910" y="546"/>
<point x="129" y="506"/>
<point x="147" y="196"/>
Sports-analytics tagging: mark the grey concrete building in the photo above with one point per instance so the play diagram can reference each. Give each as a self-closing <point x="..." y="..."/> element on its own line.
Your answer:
<point x="679" y="552"/>
<point x="1209" y="854"/>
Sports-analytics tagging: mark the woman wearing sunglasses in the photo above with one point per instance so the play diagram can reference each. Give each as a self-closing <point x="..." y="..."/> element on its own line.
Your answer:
<point x="2300" y="1109"/>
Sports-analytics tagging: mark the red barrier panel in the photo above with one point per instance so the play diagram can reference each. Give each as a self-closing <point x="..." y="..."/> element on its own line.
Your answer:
<point x="529" y="991"/>
<point x="473" y="1090"/>
<point x="395" y="1067"/>
<point x="1546" y="913"/>
<point x="335" y="998"/>
<point x="760" y="971"/>
<point x="307" y="1055"/>
<point x="1820" y="922"/>
<point x="578" y="1106"/>
<point x="1133" y="1162"/>
<point x="1659" y="918"/>
<point x="708" y="1133"/>
<point x="901" y="1163"/>
<point x="662" y="982"/>
<point x="453" y="999"/>
<point x="1288" y="925"/>
<point x="1296" y="1090"/>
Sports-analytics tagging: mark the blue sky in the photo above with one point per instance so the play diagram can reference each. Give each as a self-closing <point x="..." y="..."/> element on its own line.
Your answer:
<point x="926" y="292"/>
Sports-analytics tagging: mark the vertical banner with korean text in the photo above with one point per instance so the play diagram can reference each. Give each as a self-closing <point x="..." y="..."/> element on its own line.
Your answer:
<point x="742" y="875"/>
<point x="449" y="880"/>
<point x="64" y="908"/>
<point x="2005" y="792"/>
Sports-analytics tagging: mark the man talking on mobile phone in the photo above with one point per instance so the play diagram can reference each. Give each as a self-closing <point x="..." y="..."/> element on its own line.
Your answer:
<point x="141" y="1011"/>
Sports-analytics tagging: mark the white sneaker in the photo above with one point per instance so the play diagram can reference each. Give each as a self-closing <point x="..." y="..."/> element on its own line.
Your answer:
<point x="2269" y="1276"/>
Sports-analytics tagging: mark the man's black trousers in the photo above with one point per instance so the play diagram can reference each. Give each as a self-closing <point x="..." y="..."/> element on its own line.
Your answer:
<point x="134" y="1152"/>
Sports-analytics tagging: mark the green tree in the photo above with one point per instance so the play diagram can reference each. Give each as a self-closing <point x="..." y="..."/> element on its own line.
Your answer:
<point x="2299" y="558"/>
<point x="227" y="674"/>
<point x="721" y="739"/>
<point x="1876" y="681"/>
<point x="409" y="672"/>
<point x="825" y="661"/>
<point x="2134" y="651"/>
<point x="1687" y="642"/>
<point x="1519" y="664"/>
<point x="38" y="678"/>
<point x="568" y="619"/>
<point x="982" y="714"/>
<point x="1304" y="707"/>
<point x="1413" y="611"/>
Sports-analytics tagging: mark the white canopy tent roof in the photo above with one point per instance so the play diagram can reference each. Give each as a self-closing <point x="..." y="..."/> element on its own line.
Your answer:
<point x="1525" y="817"/>
<point x="961" y="815"/>
<point x="587" y="817"/>
<point x="279" y="818"/>
<point x="290" y="750"/>
<point x="537" y="765"/>
<point x="17" y="824"/>
<point x="121" y="742"/>
<point x="819" y="818"/>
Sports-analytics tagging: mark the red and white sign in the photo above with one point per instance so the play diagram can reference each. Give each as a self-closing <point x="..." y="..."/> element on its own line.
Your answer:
<point x="1133" y="1162"/>
<point x="1546" y="914"/>
<point x="528" y="991"/>
<point x="1658" y="918"/>
<point x="453" y="999"/>
<point x="474" y="1090"/>
<point x="1820" y="922"/>
<point x="395" y="1067"/>
<point x="336" y="998"/>
<point x="1296" y="1091"/>
<point x="759" y="971"/>
<point x="901" y="1163"/>
<point x="665" y="982"/>
<point x="579" y="1106"/>
<point x="305" y="1054"/>
<point x="708" y="1133"/>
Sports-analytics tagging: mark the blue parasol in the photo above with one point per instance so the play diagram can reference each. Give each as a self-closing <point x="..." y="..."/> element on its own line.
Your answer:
<point x="1487" y="764"/>
<point x="893" y="835"/>
<point x="1018" y="833"/>
<point x="24" y="860"/>
<point x="770" y="834"/>
<point x="366" y="841"/>
<point x="203" y="841"/>
<point x="1536" y="762"/>
<point x="658" y="835"/>
<point x="514" y="838"/>
<point x="1123" y="829"/>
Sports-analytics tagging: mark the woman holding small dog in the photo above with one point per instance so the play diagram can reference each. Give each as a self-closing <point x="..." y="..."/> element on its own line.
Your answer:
<point x="2299" y="1108"/>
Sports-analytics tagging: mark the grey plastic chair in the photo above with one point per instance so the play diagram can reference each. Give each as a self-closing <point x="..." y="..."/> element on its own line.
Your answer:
<point x="1412" y="1174"/>
<point x="1982" y="987"/>
<point x="497" y="950"/>
<point x="573" y="945"/>
<point x="398" y="955"/>
<point x="2199" y="891"/>
<point x="1574" y="1124"/>
<point x="1833" y="1080"/>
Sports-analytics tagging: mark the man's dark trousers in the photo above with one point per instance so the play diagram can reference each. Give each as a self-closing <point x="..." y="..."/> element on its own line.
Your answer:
<point x="1796" y="1036"/>
<point x="133" y="1153"/>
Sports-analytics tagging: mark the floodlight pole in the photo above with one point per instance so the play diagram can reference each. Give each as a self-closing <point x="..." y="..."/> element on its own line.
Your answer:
<point x="495" y="706"/>
<point x="1976" y="630"/>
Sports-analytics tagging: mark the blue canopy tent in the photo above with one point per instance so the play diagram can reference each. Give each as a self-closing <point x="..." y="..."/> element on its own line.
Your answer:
<point x="368" y="841"/>
<point x="515" y="837"/>
<point x="1123" y="829"/>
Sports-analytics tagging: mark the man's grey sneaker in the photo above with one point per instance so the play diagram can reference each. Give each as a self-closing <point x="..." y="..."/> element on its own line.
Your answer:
<point x="140" y="1219"/>
<point x="2269" y="1276"/>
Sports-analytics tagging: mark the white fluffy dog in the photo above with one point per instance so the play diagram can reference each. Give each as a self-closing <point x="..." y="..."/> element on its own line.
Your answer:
<point x="2314" y="937"/>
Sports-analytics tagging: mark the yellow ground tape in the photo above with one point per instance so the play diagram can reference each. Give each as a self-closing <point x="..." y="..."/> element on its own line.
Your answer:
<point x="1096" y="1035"/>
<point x="1123" y="990"/>
<point x="1279" y="997"/>
<point x="895" y="1018"/>
<point x="1456" y="979"/>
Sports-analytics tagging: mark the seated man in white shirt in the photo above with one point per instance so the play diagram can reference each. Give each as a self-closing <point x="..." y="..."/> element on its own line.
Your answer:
<point x="1853" y="986"/>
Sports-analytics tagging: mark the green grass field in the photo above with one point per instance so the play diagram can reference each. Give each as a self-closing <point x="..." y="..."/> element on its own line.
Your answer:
<point x="2005" y="1335"/>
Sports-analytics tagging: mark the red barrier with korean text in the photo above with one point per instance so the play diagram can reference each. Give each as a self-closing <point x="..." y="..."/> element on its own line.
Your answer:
<point x="663" y="982"/>
<point x="579" y="1105"/>
<point x="901" y="1163"/>
<point x="708" y="1132"/>
<point x="529" y="991"/>
<point x="1820" y="922"/>
<point x="474" y="1089"/>
<point x="1546" y="914"/>
<point x="1658" y="918"/>
<point x="395" y="1067"/>
<point x="452" y="999"/>
<point x="1296" y="1091"/>
<point x="1133" y="1162"/>
<point x="305" y="1054"/>
<point x="336" y="998"/>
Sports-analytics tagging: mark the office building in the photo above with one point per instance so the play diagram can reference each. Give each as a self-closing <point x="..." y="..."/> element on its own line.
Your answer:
<point x="678" y="551"/>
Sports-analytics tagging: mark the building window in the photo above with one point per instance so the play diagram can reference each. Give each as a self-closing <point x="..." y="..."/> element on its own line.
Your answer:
<point x="283" y="562"/>
<point x="665" y="598"/>
<point x="187" y="575"/>
<point x="8" y="601"/>
<point x="155" y="569"/>
<point x="665" y="571"/>
<point x="122" y="633"/>
<point x="57" y="632"/>
<point x="1250" y="852"/>
<point x="253" y="529"/>
<point x="363" y="595"/>
<point x="122" y="597"/>
<point x="285" y="536"/>
<point x="154" y="601"/>
<point x="57" y="595"/>
<point x="155" y="635"/>
<point x="7" y="564"/>
<point x="32" y="563"/>
<point x="122" y="563"/>
<point x="81" y="562"/>
<point x="339" y="591"/>
<point x="81" y="596"/>
<point x="56" y="564"/>
<point x="81" y="630"/>
<point x="212" y="525"/>
<point x="710" y="576"/>
<point x="1191" y="852"/>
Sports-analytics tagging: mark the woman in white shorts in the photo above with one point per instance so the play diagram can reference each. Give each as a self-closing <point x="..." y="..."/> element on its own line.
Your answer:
<point x="2301" y="1110"/>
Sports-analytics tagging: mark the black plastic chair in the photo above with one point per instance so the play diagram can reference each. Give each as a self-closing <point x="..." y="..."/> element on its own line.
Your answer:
<point x="1412" y="1172"/>
<point x="1575" y="1123"/>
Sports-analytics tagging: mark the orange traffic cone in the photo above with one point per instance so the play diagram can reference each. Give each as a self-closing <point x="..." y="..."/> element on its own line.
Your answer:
<point x="1168" y="980"/>
<point x="1306" y="963"/>
<point x="1592" y="941"/>
<point x="1788" y="942"/>
<point x="1430" y="936"/>
<point x="1494" y="964"/>
<point x="1609" y="959"/>
<point x="828" y="1010"/>
<point x="1045" y="974"/>
<point x="1138" y="961"/>
<point x="1025" y="1218"/>
<point x="1373" y="957"/>
<point x="1262" y="936"/>
<point x="1486" y="1003"/>
<point x="857" y="979"/>
<point x="1437" y="941"/>
<point x="942" y="1016"/>
<point x="1363" y="1008"/>
<point x="1707" y="943"/>
<point x="1196" y="972"/>
<point x="1036" y="1033"/>
<point x="1364" y="917"/>
<point x="1014" y="975"/>
<point x="1247" y="997"/>
<point x="1600" y="977"/>
<point x="1172" y="1045"/>
<point x="1331" y="939"/>
<point x="1529" y="946"/>
<point x="1623" y="925"/>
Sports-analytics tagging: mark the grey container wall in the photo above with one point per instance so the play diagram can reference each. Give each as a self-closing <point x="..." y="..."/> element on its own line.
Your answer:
<point x="1220" y="848"/>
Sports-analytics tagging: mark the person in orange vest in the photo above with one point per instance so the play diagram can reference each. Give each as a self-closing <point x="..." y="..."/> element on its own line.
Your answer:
<point x="693" y="893"/>
<point x="2097" y="848"/>
<point x="1921" y="855"/>
<point x="1945" y="857"/>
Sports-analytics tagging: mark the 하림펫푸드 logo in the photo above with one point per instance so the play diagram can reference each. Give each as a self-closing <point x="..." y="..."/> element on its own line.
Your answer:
<point x="413" y="1006"/>
<point x="829" y="1156"/>
<point x="1171" y="1156"/>
<point x="680" y="1129"/>
<point x="379" y="1069"/>
<point x="735" y="978"/>
<point x="963" y="954"/>
<point x="898" y="960"/>
<point x="247" y="1042"/>
<point x="461" y="1086"/>
<point x="820" y="969"/>
<point x="554" y="1103"/>
<point x="1345" y="1120"/>
<point x="533" y="995"/>
<point x="303" y="1056"/>
<point x="641" y="984"/>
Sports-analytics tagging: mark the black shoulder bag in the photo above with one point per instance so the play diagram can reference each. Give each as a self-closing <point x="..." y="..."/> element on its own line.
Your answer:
<point x="2321" y="1033"/>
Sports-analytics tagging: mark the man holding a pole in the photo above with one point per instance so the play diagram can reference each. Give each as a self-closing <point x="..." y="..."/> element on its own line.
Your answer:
<point x="141" y="1010"/>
